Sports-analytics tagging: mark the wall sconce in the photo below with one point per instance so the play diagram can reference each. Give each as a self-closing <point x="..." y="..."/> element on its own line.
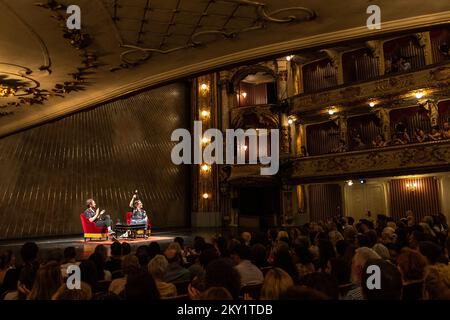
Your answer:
<point x="244" y="94"/>
<point x="204" y="89"/>
<point x="204" y="114"/>
<point x="289" y="58"/>
<point x="205" y="140"/>
<point x="350" y="183"/>
<point x="411" y="186"/>
<point x="372" y="104"/>
<point x="331" y="111"/>
<point x="291" y="119"/>
<point x="205" y="168"/>
<point x="205" y="196"/>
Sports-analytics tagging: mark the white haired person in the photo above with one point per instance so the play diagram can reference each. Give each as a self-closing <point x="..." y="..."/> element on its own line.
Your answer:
<point x="95" y="215"/>
<point x="362" y="255"/>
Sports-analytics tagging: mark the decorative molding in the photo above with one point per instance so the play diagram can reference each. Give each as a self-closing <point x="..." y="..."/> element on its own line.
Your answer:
<point x="264" y="114"/>
<point x="262" y="16"/>
<point x="395" y="85"/>
<point x="389" y="160"/>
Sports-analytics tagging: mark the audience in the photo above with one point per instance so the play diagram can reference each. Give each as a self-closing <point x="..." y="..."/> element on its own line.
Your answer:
<point x="317" y="261"/>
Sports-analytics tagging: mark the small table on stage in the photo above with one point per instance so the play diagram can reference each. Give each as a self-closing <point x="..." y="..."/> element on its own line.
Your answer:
<point x="134" y="230"/>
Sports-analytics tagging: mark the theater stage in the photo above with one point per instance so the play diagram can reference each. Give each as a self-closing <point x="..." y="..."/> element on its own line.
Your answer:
<point x="85" y="248"/>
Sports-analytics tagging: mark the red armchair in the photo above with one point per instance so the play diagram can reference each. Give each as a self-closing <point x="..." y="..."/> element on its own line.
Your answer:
<point x="149" y="225"/>
<point x="91" y="231"/>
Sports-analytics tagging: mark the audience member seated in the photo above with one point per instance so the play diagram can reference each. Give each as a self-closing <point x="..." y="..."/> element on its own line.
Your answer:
<point x="322" y="282"/>
<point x="7" y="262"/>
<point x="130" y="266"/>
<point x="29" y="254"/>
<point x="157" y="268"/>
<point x="437" y="282"/>
<point x="435" y="134"/>
<point x="141" y="287"/>
<point x="390" y="282"/>
<point x="220" y="273"/>
<point x="70" y="256"/>
<point x="362" y="255"/>
<point x="276" y="282"/>
<point x="284" y="260"/>
<point x="198" y="268"/>
<point x="341" y="147"/>
<point x="114" y="264"/>
<point x="411" y="265"/>
<point x="175" y="272"/>
<point x="47" y="281"/>
<point x="379" y="141"/>
<point x="446" y="131"/>
<point x="421" y="136"/>
<point x="249" y="273"/>
<point x="304" y="259"/>
<point x="153" y="249"/>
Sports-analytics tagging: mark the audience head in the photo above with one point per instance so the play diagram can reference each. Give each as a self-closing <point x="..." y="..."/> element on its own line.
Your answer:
<point x="157" y="267"/>
<point x="359" y="260"/>
<point x="116" y="249"/>
<point x="141" y="287"/>
<point x="180" y="241"/>
<point x="29" y="252"/>
<point x="276" y="282"/>
<point x="431" y="251"/>
<point x="390" y="283"/>
<point x="411" y="264"/>
<point x="126" y="248"/>
<point x="130" y="265"/>
<point x="153" y="249"/>
<point x="437" y="282"/>
<point x="70" y="254"/>
<point x="382" y="251"/>
<point x="303" y="294"/>
<point x="221" y="273"/>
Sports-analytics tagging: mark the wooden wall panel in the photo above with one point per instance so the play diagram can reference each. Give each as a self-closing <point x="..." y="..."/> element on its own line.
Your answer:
<point x="47" y="172"/>
<point x="423" y="201"/>
<point x="325" y="201"/>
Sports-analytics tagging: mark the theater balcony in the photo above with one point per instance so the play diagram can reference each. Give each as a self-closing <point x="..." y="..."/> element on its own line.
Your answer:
<point x="389" y="161"/>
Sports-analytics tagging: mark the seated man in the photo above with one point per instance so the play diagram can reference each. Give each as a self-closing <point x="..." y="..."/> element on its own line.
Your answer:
<point x="94" y="215"/>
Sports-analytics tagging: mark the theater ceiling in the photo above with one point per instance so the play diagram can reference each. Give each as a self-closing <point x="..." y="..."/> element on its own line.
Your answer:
<point x="47" y="71"/>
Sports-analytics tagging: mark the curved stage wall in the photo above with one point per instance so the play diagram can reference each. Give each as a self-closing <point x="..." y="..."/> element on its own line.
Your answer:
<point x="47" y="172"/>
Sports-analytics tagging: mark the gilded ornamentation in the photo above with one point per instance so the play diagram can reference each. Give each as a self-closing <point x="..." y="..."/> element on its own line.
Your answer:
<point x="390" y="159"/>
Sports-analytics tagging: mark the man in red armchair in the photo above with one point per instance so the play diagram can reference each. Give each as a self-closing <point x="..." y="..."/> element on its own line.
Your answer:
<point x="95" y="215"/>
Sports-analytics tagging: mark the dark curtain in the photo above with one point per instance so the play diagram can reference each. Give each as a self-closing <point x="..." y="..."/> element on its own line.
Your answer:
<point x="325" y="201"/>
<point x="359" y="65"/>
<point x="319" y="75"/>
<point x="368" y="126"/>
<point x="424" y="200"/>
<point x="444" y="112"/>
<point x="322" y="138"/>
<point x="413" y="118"/>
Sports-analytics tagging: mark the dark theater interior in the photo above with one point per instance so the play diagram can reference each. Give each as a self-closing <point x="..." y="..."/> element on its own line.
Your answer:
<point x="241" y="150"/>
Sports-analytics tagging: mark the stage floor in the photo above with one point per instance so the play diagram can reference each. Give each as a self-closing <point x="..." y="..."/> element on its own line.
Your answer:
<point x="84" y="249"/>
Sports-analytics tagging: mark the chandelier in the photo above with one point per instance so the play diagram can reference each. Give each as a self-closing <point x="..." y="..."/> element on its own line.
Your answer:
<point x="6" y="91"/>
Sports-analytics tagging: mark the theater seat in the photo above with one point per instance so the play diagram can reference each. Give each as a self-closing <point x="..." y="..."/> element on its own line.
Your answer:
<point x="128" y="220"/>
<point x="91" y="231"/>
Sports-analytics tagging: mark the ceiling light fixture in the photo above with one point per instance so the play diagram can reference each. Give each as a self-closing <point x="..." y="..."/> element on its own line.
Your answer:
<point x="419" y="94"/>
<point x="289" y="58"/>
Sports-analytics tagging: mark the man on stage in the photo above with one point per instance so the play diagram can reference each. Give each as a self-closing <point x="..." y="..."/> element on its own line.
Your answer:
<point x="95" y="215"/>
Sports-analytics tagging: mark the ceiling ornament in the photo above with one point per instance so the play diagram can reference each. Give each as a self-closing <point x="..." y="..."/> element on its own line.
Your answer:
<point x="255" y="14"/>
<point x="18" y="87"/>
